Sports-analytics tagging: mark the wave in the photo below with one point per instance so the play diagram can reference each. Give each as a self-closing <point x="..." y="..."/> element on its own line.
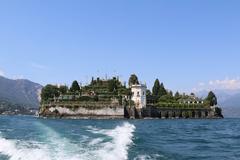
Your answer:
<point x="112" y="144"/>
<point x="117" y="147"/>
<point x="149" y="157"/>
<point x="14" y="151"/>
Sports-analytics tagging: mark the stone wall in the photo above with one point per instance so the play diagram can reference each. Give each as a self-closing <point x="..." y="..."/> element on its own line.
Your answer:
<point x="109" y="111"/>
<point x="171" y="113"/>
<point x="61" y="111"/>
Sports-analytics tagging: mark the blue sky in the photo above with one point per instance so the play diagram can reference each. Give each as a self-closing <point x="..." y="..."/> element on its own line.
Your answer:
<point x="187" y="44"/>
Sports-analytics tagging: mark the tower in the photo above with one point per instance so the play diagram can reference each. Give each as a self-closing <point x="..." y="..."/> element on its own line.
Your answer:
<point x="139" y="95"/>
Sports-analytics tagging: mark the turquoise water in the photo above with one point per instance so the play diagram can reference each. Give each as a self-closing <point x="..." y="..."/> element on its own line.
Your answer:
<point x="30" y="138"/>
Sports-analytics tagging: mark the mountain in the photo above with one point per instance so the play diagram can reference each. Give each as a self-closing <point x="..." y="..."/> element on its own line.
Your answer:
<point x="229" y="101"/>
<point x="231" y="106"/>
<point x="19" y="93"/>
<point x="232" y="101"/>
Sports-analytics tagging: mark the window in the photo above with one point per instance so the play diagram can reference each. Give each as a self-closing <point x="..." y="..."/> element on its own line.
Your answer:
<point x="138" y="94"/>
<point x="143" y="93"/>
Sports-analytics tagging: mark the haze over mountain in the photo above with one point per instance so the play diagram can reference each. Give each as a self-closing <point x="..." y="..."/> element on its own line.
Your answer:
<point x="20" y="92"/>
<point x="228" y="99"/>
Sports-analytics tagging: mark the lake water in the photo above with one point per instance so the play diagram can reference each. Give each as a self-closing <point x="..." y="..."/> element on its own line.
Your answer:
<point x="30" y="138"/>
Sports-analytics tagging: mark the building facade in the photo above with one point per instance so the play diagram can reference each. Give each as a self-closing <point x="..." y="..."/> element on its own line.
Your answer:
<point x="139" y="95"/>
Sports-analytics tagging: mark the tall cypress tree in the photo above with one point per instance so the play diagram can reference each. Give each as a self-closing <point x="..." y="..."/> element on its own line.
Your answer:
<point x="75" y="87"/>
<point x="177" y="95"/>
<point x="156" y="87"/>
<point x="162" y="90"/>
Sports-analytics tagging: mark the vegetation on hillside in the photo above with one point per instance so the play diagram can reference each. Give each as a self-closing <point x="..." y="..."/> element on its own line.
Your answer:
<point x="7" y="107"/>
<point x="161" y="97"/>
<point x="110" y="90"/>
<point x="98" y="90"/>
<point x="21" y="92"/>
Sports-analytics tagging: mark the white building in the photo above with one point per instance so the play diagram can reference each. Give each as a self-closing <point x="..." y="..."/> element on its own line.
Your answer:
<point x="139" y="95"/>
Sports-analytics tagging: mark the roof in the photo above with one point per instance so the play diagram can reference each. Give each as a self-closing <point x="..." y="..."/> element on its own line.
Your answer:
<point x="138" y="86"/>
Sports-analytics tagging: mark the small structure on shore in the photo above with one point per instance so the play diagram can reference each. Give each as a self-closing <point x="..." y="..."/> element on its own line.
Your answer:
<point x="139" y="95"/>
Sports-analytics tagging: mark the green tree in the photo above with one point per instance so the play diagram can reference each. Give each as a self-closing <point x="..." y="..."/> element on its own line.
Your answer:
<point x="156" y="88"/>
<point x="192" y="94"/>
<point x="166" y="99"/>
<point x="148" y="92"/>
<point x="218" y="112"/>
<point x="133" y="80"/>
<point x="112" y="85"/>
<point x="211" y="98"/>
<point x="75" y="87"/>
<point x="162" y="91"/>
<point x="170" y="93"/>
<point x="93" y="82"/>
<point x="63" y="89"/>
<point x="49" y="91"/>
<point x="177" y="96"/>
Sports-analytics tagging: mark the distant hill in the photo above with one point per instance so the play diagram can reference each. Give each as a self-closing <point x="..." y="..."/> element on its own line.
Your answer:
<point x="232" y="101"/>
<point x="229" y="100"/>
<point x="19" y="93"/>
<point x="231" y="106"/>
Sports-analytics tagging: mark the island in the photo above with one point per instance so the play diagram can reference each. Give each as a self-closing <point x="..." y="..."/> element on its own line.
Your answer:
<point x="111" y="99"/>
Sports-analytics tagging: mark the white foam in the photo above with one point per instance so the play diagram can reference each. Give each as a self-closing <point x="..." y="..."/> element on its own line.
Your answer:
<point x="142" y="157"/>
<point x="10" y="149"/>
<point x="113" y="145"/>
<point x="54" y="147"/>
<point x="95" y="141"/>
<point x="149" y="157"/>
<point x="117" y="148"/>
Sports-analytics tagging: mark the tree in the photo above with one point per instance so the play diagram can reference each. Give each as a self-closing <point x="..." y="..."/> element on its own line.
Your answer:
<point x="192" y="95"/>
<point x="148" y="92"/>
<point x="170" y="93"/>
<point x="75" y="87"/>
<point x="177" y="95"/>
<point x="49" y="91"/>
<point x="156" y="88"/>
<point x="93" y="81"/>
<point x="112" y="85"/>
<point x="218" y="112"/>
<point x="166" y="99"/>
<point x="151" y="99"/>
<point x="63" y="89"/>
<point x="211" y="98"/>
<point x="162" y="90"/>
<point x="133" y="80"/>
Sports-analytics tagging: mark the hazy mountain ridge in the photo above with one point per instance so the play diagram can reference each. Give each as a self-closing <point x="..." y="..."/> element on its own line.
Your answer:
<point x="19" y="92"/>
<point x="229" y="100"/>
<point x="231" y="106"/>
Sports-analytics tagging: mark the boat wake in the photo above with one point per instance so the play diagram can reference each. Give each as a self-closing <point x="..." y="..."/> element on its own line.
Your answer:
<point x="17" y="150"/>
<point x="117" y="147"/>
<point x="107" y="144"/>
